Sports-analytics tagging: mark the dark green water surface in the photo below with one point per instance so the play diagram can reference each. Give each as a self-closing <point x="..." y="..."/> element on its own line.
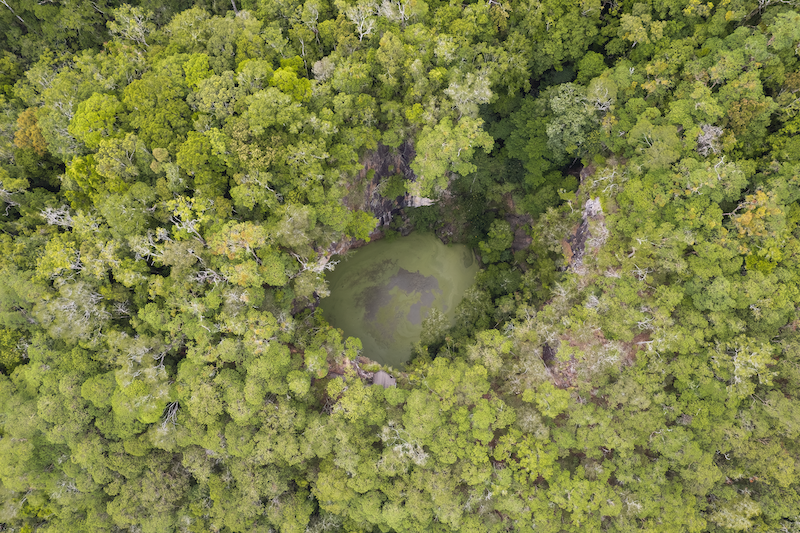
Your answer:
<point x="382" y="292"/>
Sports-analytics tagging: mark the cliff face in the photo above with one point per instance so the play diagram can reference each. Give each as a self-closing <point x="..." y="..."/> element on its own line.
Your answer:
<point x="367" y="192"/>
<point x="380" y="165"/>
<point x="591" y="231"/>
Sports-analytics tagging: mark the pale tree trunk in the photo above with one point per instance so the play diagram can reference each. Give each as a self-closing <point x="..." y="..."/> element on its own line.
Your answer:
<point x="14" y="13"/>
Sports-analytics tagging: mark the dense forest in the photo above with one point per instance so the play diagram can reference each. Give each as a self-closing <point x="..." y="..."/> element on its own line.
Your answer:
<point x="177" y="178"/>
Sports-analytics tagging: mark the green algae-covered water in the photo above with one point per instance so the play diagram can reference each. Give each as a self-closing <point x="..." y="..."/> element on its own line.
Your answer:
<point x="382" y="292"/>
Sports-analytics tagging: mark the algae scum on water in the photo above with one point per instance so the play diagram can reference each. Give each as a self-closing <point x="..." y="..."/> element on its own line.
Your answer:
<point x="381" y="293"/>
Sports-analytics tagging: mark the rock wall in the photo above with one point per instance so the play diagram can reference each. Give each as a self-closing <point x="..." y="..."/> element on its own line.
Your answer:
<point x="379" y="165"/>
<point x="591" y="231"/>
<point x="365" y="192"/>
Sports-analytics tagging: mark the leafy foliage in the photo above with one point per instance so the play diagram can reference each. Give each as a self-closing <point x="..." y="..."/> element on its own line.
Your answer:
<point x="175" y="180"/>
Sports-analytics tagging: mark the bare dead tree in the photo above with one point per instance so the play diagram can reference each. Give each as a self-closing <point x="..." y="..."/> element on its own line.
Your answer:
<point x="708" y="141"/>
<point x="8" y="198"/>
<point x="57" y="217"/>
<point x="14" y="13"/>
<point x="209" y="276"/>
<point x="170" y="415"/>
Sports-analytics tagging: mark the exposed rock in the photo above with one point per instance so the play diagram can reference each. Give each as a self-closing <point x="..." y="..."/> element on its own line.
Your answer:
<point x="417" y="201"/>
<point x="520" y="225"/>
<point x="590" y="232"/>
<point x="592" y="208"/>
<point x="548" y="354"/>
<point x="381" y="164"/>
<point x="384" y="379"/>
<point x="575" y="246"/>
<point x="365" y="192"/>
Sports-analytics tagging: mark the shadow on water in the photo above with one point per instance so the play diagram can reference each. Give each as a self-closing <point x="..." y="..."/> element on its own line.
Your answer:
<point x="382" y="292"/>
